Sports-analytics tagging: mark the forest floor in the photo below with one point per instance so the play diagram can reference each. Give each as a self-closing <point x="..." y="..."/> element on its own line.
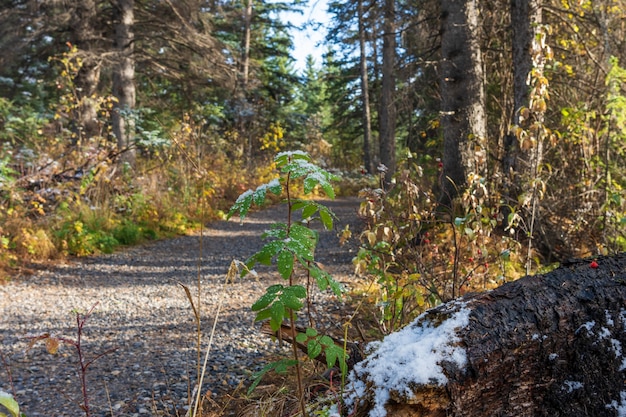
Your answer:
<point x="143" y="322"/>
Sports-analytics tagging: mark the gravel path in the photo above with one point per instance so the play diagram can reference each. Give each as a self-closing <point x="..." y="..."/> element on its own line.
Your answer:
<point x="143" y="312"/>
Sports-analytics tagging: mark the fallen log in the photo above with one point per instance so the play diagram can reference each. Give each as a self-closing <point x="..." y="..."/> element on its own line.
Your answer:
<point x="546" y="345"/>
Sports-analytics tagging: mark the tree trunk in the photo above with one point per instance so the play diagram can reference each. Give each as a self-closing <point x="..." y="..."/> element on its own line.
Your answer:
<point x="246" y="46"/>
<point x="368" y="161"/>
<point x="547" y="345"/>
<point x="86" y="81"/>
<point x="387" y="105"/>
<point x="124" y="81"/>
<point x="525" y="15"/>
<point x="463" y="117"/>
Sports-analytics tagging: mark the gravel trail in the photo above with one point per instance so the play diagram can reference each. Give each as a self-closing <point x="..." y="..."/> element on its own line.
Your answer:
<point x="142" y="311"/>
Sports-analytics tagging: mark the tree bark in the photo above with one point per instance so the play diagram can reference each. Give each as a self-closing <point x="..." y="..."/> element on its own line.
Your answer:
<point x="525" y="15"/>
<point x="547" y="345"/>
<point x="387" y="117"/>
<point x="368" y="161"/>
<point x="463" y="117"/>
<point x="245" y="61"/>
<point x="124" y="81"/>
<point x="84" y="22"/>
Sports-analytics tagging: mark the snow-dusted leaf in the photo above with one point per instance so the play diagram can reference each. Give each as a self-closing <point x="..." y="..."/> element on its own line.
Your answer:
<point x="283" y="158"/>
<point x="302" y="241"/>
<point x="277" y="231"/>
<point x="274" y="186"/>
<point x="245" y="200"/>
<point x="299" y="168"/>
<point x="242" y="205"/>
<point x="318" y="176"/>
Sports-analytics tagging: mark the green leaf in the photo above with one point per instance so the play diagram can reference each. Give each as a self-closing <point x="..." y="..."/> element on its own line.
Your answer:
<point x="301" y="338"/>
<point x="327" y="219"/>
<point x="320" y="276"/>
<point x="311" y="332"/>
<point x="284" y="364"/>
<point x="263" y="315"/>
<point x="326" y="341"/>
<point x="291" y="302"/>
<point x="7" y="401"/>
<point x="267" y="252"/>
<point x="263" y="301"/>
<point x="280" y="366"/>
<point x="277" y="315"/>
<point x="334" y="354"/>
<point x="275" y="289"/>
<point x="336" y="287"/>
<point x="309" y="210"/>
<point x="311" y="181"/>
<point x="284" y="263"/>
<point x="313" y="348"/>
<point x="296" y="290"/>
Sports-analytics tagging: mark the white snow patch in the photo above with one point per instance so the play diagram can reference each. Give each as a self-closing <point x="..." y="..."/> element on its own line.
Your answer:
<point x="410" y="356"/>
<point x="333" y="411"/>
<point x="604" y="333"/>
<point x="273" y="183"/>
<point x="243" y="196"/>
<point x="535" y="336"/>
<point x="617" y="347"/>
<point x="609" y="319"/>
<point x="290" y="153"/>
<point x="588" y="326"/>
<point x="619" y="407"/>
<point x="570" y="386"/>
<point x="553" y="356"/>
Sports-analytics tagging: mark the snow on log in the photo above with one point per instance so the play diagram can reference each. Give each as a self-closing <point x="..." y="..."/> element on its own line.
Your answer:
<point x="547" y="345"/>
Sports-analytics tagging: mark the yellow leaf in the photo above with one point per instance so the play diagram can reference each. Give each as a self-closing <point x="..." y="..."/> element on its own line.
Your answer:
<point x="52" y="345"/>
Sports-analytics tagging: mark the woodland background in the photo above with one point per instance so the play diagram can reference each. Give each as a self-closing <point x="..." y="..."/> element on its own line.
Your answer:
<point x="489" y="135"/>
